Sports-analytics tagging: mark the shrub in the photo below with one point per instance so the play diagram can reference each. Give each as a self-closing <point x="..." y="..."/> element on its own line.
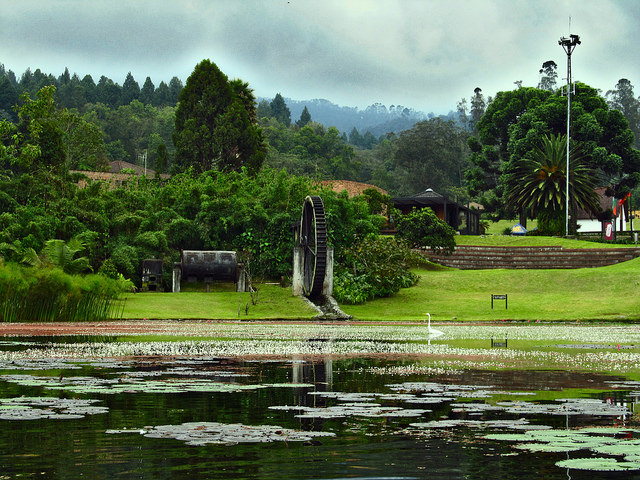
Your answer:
<point x="375" y="267"/>
<point x="422" y="228"/>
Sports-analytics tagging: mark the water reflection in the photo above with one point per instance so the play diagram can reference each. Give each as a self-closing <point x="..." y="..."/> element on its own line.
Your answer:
<point x="370" y="420"/>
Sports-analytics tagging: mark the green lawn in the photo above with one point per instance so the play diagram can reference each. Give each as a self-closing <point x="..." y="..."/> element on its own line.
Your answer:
<point x="590" y="294"/>
<point x="273" y="303"/>
<point x="497" y="228"/>
<point x="606" y="293"/>
<point x="530" y="241"/>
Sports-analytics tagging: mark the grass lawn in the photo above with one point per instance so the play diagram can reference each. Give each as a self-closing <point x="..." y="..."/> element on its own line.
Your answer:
<point x="590" y="294"/>
<point x="530" y="241"/>
<point x="497" y="228"/>
<point x="274" y="302"/>
<point x="606" y="293"/>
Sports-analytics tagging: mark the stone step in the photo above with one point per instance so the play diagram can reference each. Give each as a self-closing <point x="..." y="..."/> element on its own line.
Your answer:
<point x="476" y="257"/>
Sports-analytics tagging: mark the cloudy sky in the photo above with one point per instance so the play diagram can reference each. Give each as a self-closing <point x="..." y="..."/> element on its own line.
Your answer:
<point x="425" y="54"/>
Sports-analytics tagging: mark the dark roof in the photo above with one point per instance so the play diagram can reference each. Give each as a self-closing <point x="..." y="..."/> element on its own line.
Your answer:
<point x="425" y="198"/>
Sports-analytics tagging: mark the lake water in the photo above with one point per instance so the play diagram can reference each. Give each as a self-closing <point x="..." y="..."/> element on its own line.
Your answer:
<point x="364" y="418"/>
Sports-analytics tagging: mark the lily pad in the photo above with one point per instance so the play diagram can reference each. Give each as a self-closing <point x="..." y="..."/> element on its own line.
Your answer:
<point x="128" y="384"/>
<point x="369" y="410"/>
<point x="203" y="433"/>
<point x="550" y="447"/>
<point x="598" y="464"/>
<point x="35" y="408"/>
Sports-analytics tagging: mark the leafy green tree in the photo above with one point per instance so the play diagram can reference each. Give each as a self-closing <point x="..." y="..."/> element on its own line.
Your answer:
<point x="280" y="111"/>
<point x="537" y="184"/>
<point x="433" y="154"/>
<point x="602" y="135"/>
<point x="37" y="141"/>
<point x="84" y="142"/>
<point x="548" y="76"/>
<point x="263" y="110"/>
<point x="489" y="150"/>
<point x="213" y="127"/>
<point x="108" y="92"/>
<point x="622" y="98"/>
<point x="421" y="228"/>
<point x="516" y="122"/>
<point x="305" y="117"/>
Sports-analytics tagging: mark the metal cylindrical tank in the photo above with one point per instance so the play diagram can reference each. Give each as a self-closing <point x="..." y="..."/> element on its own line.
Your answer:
<point x="209" y="265"/>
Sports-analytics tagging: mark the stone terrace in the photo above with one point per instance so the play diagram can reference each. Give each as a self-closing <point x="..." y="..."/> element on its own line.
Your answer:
<point x="473" y="257"/>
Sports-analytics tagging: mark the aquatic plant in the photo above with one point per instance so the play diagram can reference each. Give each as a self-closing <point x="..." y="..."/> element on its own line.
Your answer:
<point x="49" y="294"/>
<point x="608" y="441"/>
<point x="203" y="433"/>
<point x="35" y="408"/>
<point x="369" y="410"/>
<point x="598" y="464"/>
<point x="115" y="386"/>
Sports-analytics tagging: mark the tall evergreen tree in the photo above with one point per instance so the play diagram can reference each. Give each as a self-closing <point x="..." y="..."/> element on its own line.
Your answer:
<point x="478" y="107"/>
<point x="305" y="117"/>
<point x="8" y="97"/>
<point x="162" y="159"/>
<point x="147" y="91"/>
<point x="175" y="87"/>
<point x="108" y="92"/>
<point x="264" y="109"/>
<point x="162" y="95"/>
<point x="280" y="111"/>
<point x="89" y="87"/>
<point x="213" y="127"/>
<point x="130" y="90"/>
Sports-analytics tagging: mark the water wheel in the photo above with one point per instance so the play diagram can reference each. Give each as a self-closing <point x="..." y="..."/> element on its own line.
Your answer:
<point x="313" y="240"/>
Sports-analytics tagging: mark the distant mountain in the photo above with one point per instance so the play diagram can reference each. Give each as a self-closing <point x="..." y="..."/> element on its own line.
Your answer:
<point x="376" y="118"/>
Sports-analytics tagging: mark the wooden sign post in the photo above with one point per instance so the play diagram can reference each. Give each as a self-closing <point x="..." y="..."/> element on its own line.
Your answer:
<point x="499" y="297"/>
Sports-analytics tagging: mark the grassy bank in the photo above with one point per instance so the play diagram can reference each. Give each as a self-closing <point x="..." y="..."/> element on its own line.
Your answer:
<point x="530" y="241"/>
<point x="593" y="294"/>
<point x="606" y="293"/>
<point x="273" y="303"/>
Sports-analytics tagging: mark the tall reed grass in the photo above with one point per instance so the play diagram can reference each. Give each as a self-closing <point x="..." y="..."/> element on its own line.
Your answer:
<point x="49" y="294"/>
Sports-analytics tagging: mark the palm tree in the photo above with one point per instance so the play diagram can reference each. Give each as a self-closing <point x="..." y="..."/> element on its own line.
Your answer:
<point x="537" y="184"/>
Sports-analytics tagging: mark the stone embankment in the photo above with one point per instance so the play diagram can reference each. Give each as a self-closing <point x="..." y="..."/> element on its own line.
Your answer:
<point x="474" y="257"/>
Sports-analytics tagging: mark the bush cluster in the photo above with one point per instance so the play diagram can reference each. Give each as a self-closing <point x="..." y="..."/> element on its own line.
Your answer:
<point x="375" y="267"/>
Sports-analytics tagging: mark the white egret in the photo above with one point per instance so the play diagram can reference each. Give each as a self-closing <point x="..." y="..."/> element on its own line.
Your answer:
<point x="433" y="333"/>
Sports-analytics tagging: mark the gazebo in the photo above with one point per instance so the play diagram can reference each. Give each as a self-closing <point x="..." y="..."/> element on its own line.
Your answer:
<point x="462" y="219"/>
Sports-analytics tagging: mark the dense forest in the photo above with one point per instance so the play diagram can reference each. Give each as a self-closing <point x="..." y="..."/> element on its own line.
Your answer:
<point x="240" y="167"/>
<point x="106" y="121"/>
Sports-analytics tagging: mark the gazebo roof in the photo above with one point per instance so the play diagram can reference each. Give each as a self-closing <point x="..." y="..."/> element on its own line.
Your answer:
<point x="425" y="198"/>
